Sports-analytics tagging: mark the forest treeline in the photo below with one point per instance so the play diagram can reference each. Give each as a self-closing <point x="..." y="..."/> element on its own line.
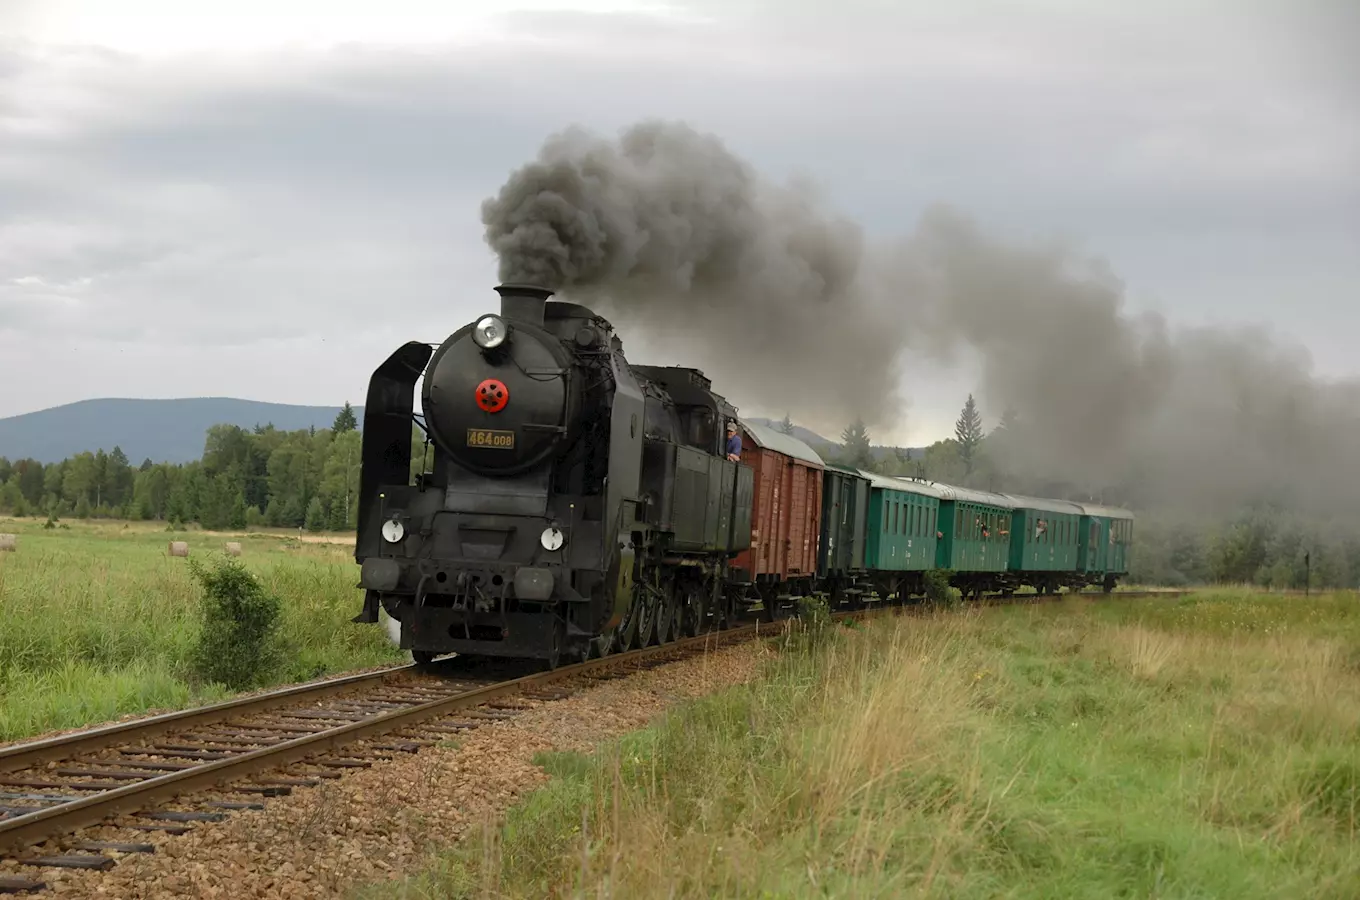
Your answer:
<point x="310" y="479"/>
<point x="294" y="479"/>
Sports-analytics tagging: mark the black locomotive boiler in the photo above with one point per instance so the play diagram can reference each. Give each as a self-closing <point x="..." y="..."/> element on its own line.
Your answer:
<point x="571" y="504"/>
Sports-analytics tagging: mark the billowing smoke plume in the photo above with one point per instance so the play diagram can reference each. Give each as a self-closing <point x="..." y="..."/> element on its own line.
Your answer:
<point x="787" y="307"/>
<point x="757" y="284"/>
<point x="1115" y="405"/>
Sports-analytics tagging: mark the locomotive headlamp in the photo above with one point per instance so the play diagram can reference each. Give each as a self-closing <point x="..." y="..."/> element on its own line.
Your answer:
<point x="393" y="531"/>
<point x="490" y="332"/>
<point x="551" y="538"/>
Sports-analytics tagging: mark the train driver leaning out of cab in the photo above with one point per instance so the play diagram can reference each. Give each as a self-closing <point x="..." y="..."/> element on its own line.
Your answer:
<point x="733" y="442"/>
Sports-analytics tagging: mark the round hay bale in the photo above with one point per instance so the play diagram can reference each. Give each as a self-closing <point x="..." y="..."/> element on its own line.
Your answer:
<point x="9" y="543"/>
<point x="179" y="548"/>
<point x="233" y="548"/>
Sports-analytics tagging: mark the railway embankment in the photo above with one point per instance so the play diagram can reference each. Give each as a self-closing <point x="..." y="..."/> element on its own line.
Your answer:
<point x="1196" y="746"/>
<point x="387" y="820"/>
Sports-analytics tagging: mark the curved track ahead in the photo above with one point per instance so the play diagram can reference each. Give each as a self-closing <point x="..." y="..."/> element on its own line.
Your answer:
<point x="55" y="786"/>
<point x="52" y="787"/>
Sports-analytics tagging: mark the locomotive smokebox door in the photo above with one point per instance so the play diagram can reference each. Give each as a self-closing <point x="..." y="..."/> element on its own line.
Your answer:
<point x="499" y="395"/>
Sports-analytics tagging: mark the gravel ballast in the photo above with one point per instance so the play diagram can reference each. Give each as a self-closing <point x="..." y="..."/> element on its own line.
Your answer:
<point x="385" y="821"/>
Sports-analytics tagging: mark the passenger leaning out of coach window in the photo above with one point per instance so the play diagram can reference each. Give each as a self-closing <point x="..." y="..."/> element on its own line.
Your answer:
<point x="733" y="442"/>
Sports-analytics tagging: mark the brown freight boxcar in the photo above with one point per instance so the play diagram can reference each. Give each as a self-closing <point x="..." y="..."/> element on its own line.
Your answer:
<point x="786" y="513"/>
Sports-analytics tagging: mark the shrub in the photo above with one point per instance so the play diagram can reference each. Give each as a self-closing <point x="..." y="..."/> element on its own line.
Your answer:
<point x="938" y="589"/>
<point x="813" y="625"/>
<point x="238" y="644"/>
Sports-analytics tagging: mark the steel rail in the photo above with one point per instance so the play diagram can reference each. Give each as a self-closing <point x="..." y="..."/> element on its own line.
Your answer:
<point x="35" y="753"/>
<point x="26" y="830"/>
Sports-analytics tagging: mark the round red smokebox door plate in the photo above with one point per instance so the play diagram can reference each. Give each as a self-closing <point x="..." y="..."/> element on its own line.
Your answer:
<point x="492" y="395"/>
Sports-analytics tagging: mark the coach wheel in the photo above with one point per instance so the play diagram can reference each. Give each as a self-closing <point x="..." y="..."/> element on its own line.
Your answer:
<point x="423" y="657"/>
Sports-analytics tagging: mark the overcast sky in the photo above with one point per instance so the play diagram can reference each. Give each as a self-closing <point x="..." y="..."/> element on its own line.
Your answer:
<point x="263" y="197"/>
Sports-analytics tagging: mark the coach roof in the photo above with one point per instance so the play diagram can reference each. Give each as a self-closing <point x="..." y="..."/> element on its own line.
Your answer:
<point x="1063" y="507"/>
<point x="968" y="495"/>
<point x="906" y="485"/>
<point x="787" y="444"/>
<point x="1109" y="512"/>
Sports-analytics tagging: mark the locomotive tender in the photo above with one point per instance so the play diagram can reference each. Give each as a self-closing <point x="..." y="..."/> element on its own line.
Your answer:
<point x="579" y="505"/>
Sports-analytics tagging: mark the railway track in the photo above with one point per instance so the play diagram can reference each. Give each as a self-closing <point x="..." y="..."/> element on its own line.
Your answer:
<point x="246" y="750"/>
<point x="243" y="751"/>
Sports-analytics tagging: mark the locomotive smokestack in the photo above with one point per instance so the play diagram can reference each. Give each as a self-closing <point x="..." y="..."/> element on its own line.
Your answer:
<point x="523" y="302"/>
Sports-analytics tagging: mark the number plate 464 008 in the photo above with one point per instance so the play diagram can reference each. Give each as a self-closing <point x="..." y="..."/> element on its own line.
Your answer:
<point x="493" y="440"/>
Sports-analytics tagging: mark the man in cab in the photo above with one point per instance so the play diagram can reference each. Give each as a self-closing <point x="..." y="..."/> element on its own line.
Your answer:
<point x="733" y="442"/>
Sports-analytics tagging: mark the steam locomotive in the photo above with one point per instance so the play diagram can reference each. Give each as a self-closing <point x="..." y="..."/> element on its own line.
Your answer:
<point x="579" y="505"/>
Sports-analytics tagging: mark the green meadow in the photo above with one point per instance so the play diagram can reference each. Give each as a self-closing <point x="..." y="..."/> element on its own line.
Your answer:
<point x="1201" y="747"/>
<point x="98" y="621"/>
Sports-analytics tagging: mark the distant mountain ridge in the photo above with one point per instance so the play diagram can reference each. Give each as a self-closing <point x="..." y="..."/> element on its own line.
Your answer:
<point x="173" y="430"/>
<point x="160" y="430"/>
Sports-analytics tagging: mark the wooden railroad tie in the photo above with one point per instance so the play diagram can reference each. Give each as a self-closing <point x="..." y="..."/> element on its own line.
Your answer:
<point x="69" y="862"/>
<point x="12" y="885"/>
<point x="115" y="846"/>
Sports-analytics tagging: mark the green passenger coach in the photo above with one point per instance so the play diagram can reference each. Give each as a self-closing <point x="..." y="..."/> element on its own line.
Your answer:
<point x="1106" y="533"/>
<point x="1045" y="542"/>
<point x="903" y="521"/>
<point x="974" y="543"/>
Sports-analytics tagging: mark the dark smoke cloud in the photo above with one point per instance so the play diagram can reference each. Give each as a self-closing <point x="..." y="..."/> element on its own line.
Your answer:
<point x="1115" y="406"/>
<point x="787" y="306"/>
<point x="758" y="284"/>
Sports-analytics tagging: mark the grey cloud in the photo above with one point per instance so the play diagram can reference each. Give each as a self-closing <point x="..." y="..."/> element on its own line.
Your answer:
<point x="301" y="193"/>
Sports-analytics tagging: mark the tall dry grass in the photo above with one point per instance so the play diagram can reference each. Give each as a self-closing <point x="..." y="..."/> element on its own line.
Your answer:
<point x="1197" y="748"/>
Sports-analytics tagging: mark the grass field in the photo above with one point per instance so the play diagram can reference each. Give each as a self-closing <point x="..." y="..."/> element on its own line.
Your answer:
<point x="1196" y="748"/>
<point x="97" y="621"/>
